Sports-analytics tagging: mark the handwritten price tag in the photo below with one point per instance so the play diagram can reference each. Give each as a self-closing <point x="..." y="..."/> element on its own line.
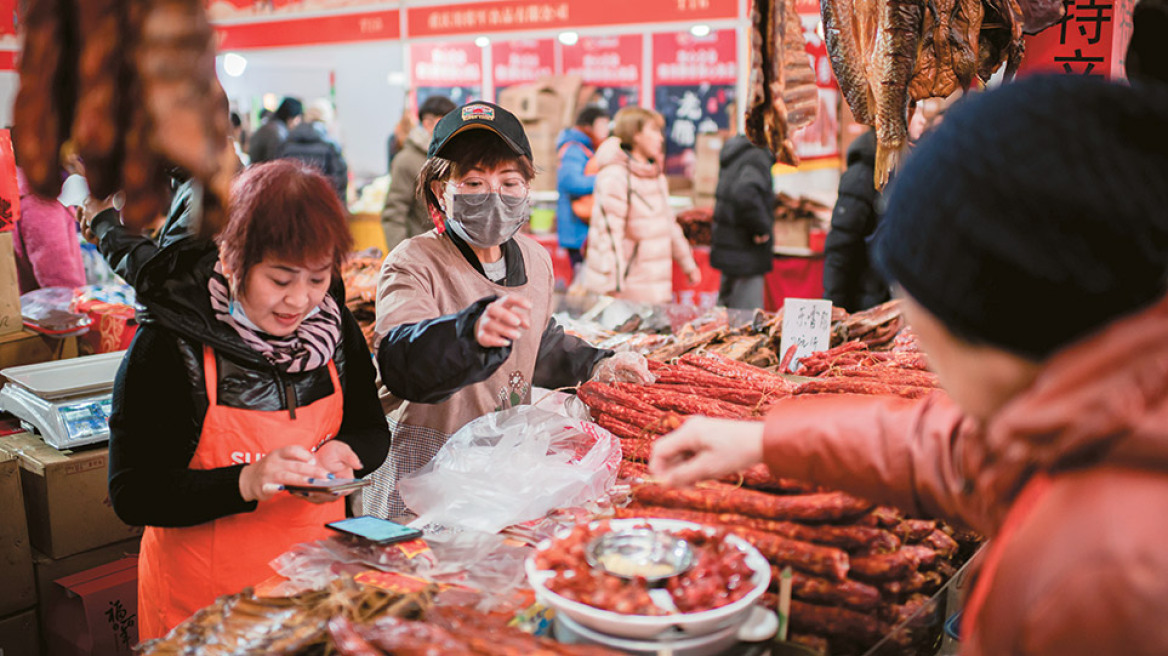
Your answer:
<point x="806" y="326"/>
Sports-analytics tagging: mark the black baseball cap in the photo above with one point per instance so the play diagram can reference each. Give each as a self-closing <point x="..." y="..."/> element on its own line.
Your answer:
<point x="480" y="116"/>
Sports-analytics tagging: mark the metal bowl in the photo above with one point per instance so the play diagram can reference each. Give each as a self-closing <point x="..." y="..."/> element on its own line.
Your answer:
<point x="644" y="553"/>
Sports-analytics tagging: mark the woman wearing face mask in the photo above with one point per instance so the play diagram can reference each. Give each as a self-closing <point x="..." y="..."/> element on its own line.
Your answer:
<point x="248" y="375"/>
<point x="634" y="237"/>
<point x="464" y="324"/>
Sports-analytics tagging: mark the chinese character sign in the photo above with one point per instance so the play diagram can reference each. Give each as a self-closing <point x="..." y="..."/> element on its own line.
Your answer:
<point x="1091" y="40"/>
<point x="694" y="86"/>
<point x="453" y="70"/>
<point x="806" y="328"/>
<point x="521" y="62"/>
<point x="611" y="64"/>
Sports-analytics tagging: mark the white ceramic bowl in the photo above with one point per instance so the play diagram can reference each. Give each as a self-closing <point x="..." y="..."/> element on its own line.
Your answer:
<point x="648" y="626"/>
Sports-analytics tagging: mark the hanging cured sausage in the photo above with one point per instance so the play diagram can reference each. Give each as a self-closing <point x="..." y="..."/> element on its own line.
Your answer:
<point x="129" y="86"/>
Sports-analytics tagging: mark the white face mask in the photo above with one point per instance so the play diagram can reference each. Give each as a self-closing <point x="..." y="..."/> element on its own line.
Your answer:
<point x="484" y="220"/>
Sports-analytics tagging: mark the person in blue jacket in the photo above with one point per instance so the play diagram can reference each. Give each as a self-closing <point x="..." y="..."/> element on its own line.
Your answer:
<point x="575" y="147"/>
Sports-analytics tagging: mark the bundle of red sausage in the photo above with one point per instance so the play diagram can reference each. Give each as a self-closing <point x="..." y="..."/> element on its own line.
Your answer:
<point x="858" y="569"/>
<point x="852" y="368"/>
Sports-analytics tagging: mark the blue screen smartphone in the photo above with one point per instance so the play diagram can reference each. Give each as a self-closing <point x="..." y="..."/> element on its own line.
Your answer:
<point x="375" y="529"/>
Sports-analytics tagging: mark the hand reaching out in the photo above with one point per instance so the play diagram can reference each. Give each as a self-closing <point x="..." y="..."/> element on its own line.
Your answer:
<point x="704" y="449"/>
<point x="503" y="322"/>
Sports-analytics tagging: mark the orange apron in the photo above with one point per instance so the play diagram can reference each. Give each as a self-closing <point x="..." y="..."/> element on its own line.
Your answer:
<point x="181" y="570"/>
<point x="1028" y="499"/>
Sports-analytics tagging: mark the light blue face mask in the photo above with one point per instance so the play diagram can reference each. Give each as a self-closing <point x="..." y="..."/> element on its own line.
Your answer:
<point x="240" y="316"/>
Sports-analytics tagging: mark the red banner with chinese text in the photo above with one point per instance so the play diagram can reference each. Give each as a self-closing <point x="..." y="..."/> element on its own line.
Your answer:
<point x="695" y="82"/>
<point x="682" y="58"/>
<point x="521" y="61"/>
<point x="335" y="28"/>
<point x="612" y="64"/>
<point x="454" y="70"/>
<point x="512" y="15"/>
<point x="1091" y="40"/>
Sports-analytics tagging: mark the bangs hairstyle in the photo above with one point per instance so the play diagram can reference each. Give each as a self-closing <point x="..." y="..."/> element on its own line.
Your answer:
<point x="629" y="122"/>
<point x="479" y="148"/>
<point x="287" y="210"/>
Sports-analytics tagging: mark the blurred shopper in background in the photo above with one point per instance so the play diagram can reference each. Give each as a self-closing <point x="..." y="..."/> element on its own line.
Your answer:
<point x="397" y="138"/>
<point x="634" y="237"/>
<point x="744" y="219"/>
<point x="850" y="280"/>
<point x="267" y="139"/>
<point x="45" y="242"/>
<point x="1147" y="53"/>
<point x="405" y="214"/>
<point x="311" y="143"/>
<point x="575" y="185"/>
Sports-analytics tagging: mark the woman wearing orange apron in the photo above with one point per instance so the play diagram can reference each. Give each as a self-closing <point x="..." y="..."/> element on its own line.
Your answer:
<point x="1032" y="258"/>
<point x="247" y="375"/>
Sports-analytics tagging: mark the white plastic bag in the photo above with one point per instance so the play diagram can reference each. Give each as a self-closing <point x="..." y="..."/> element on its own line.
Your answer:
<point x="511" y="467"/>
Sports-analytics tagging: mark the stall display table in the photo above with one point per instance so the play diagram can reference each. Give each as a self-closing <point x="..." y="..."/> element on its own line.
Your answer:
<point x="798" y="273"/>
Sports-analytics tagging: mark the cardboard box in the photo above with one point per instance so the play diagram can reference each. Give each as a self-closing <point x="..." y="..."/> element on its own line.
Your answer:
<point x="542" y="136"/>
<point x="10" y="320"/>
<point x="17" y="587"/>
<point x="26" y="347"/>
<point x="48" y="570"/>
<point x="19" y="635"/>
<point x="66" y="497"/>
<point x="793" y="234"/>
<point x="94" y="612"/>
<point x="706" y="153"/>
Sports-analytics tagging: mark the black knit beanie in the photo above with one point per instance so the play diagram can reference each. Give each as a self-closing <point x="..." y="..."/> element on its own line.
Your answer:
<point x="1036" y="213"/>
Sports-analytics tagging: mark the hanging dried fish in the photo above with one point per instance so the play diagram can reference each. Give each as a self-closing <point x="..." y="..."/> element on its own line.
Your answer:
<point x="848" y="56"/>
<point x="892" y="64"/>
<point x="889" y="54"/>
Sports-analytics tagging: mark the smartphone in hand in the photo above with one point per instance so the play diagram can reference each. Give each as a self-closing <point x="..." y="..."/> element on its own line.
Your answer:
<point x="335" y="486"/>
<point x="375" y="529"/>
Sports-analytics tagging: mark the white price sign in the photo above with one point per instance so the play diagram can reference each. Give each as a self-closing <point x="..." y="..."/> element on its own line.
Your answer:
<point x="806" y="326"/>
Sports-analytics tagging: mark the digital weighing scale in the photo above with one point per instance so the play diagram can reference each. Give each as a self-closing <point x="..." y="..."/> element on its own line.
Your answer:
<point x="66" y="402"/>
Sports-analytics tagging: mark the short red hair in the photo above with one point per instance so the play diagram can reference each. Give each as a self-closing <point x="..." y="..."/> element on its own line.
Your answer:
<point x="285" y="209"/>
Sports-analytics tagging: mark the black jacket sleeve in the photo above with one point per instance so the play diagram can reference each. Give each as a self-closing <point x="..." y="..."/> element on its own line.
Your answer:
<point x="845" y="250"/>
<point x="125" y="251"/>
<point x="428" y="361"/>
<point x="363" y="427"/>
<point x="754" y="204"/>
<point x="564" y="360"/>
<point x="153" y="434"/>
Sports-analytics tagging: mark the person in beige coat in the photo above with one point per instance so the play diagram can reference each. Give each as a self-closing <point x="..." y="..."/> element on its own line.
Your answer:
<point x="634" y="237"/>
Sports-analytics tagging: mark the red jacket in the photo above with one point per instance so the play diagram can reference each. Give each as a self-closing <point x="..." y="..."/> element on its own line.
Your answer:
<point x="1087" y="573"/>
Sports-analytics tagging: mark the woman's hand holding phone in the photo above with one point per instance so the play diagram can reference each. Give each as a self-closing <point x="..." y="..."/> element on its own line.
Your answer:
<point x="288" y="465"/>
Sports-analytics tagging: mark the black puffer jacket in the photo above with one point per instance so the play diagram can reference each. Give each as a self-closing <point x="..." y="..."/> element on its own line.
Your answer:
<point x="160" y="396"/>
<point x="849" y="281"/>
<point x="308" y="143"/>
<point x="744" y="208"/>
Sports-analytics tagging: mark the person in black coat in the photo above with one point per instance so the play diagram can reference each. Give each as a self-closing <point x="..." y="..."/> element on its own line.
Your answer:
<point x="310" y="143"/>
<point x="849" y="280"/>
<point x="744" y="216"/>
